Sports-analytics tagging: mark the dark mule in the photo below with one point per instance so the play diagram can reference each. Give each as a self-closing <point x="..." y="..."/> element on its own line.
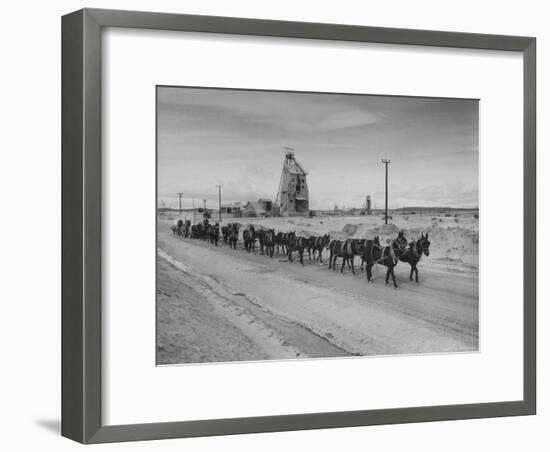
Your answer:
<point x="214" y="234"/>
<point x="196" y="231"/>
<point x="205" y="229"/>
<point x="280" y="242"/>
<point x="266" y="239"/>
<point x="388" y="256"/>
<point x="346" y="250"/>
<point x="261" y="240"/>
<point x="225" y="233"/>
<point x="186" y="228"/>
<point x="233" y="235"/>
<point x="270" y="242"/>
<point x="335" y="248"/>
<point x="400" y="244"/>
<point x="179" y="228"/>
<point x="310" y="246"/>
<point x="414" y="252"/>
<point x="249" y="239"/>
<point x="354" y="248"/>
<point x="320" y="243"/>
<point x="286" y="238"/>
<point x="296" y="244"/>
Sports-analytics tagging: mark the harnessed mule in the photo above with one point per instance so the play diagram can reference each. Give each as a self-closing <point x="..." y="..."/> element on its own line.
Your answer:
<point x="400" y="243"/>
<point x="186" y="228"/>
<point x="388" y="256"/>
<point x="280" y="241"/>
<point x="414" y="252"/>
<point x="249" y="239"/>
<point x="269" y="242"/>
<point x="196" y="231"/>
<point x="266" y="239"/>
<point x="233" y="235"/>
<point x="347" y="250"/>
<point x="205" y="229"/>
<point x="214" y="234"/>
<point x="225" y="233"/>
<point x="295" y="244"/>
<point x="320" y="243"/>
<point x="310" y="246"/>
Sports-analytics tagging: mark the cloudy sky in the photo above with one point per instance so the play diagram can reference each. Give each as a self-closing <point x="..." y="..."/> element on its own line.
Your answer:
<point x="237" y="138"/>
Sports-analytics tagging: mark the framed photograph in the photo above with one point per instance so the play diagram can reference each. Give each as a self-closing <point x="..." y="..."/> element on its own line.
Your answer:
<point x="274" y="226"/>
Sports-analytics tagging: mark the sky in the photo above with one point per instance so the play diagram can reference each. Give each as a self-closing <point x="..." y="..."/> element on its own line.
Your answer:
<point x="237" y="138"/>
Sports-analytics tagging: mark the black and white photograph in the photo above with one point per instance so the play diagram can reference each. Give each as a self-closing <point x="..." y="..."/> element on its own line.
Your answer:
<point x="314" y="225"/>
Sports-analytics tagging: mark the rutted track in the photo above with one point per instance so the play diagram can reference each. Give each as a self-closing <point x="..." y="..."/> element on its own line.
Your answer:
<point x="292" y="310"/>
<point x="276" y="336"/>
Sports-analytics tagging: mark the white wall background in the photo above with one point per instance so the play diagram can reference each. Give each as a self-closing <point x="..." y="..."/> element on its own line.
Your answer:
<point x="30" y="226"/>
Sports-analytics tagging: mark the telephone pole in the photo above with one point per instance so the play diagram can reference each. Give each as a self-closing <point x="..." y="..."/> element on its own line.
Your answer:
<point x="180" y="195"/>
<point x="220" y="199"/>
<point x="386" y="162"/>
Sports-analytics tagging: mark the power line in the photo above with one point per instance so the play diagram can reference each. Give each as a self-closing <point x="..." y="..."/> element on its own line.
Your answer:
<point x="386" y="162"/>
<point x="220" y="199"/>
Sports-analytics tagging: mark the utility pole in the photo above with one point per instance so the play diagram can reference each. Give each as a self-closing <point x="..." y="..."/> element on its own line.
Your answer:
<point x="180" y="195"/>
<point x="194" y="219"/>
<point x="220" y="199"/>
<point x="386" y="162"/>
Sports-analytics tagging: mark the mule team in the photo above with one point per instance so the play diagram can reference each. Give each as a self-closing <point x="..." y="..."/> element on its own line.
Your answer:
<point x="370" y="251"/>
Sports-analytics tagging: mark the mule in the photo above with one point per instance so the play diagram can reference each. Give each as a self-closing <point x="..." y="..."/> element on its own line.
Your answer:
<point x="225" y="233"/>
<point x="347" y="250"/>
<point x="280" y="242"/>
<point x="355" y="248"/>
<point x="266" y="239"/>
<point x="233" y="235"/>
<point x="388" y="256"/>
<point x="335" y="248"/>
<point x="249" y="239"/>
<point x="261" y="240"/>
<point x="186" y="228"/>
<point x="320" y="244"/>
<point x="196" y="231"/>
<point x="310" y="246"/>
<point x="179" y="228"/>
<point x="414" y="252"/>
<point x="286" y="238"/>
<point x="214" y="234"/>
<point x="204" y="229"/>
<point x="400" y="245"/>
<point x="296" y="244"/>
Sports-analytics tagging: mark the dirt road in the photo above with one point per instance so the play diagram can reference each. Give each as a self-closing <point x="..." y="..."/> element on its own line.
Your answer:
<point x="218" y="304"/>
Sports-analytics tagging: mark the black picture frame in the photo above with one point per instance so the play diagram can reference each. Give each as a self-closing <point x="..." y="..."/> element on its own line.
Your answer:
<point x="81" y="225"/>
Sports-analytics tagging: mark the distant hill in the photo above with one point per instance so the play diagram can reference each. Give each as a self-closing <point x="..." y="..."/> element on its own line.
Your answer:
<point x="196" y="209"/>
<point x="435" y="208"/>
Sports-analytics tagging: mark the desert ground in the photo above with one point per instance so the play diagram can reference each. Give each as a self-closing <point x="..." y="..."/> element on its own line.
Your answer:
<point x="217" y="304"/>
